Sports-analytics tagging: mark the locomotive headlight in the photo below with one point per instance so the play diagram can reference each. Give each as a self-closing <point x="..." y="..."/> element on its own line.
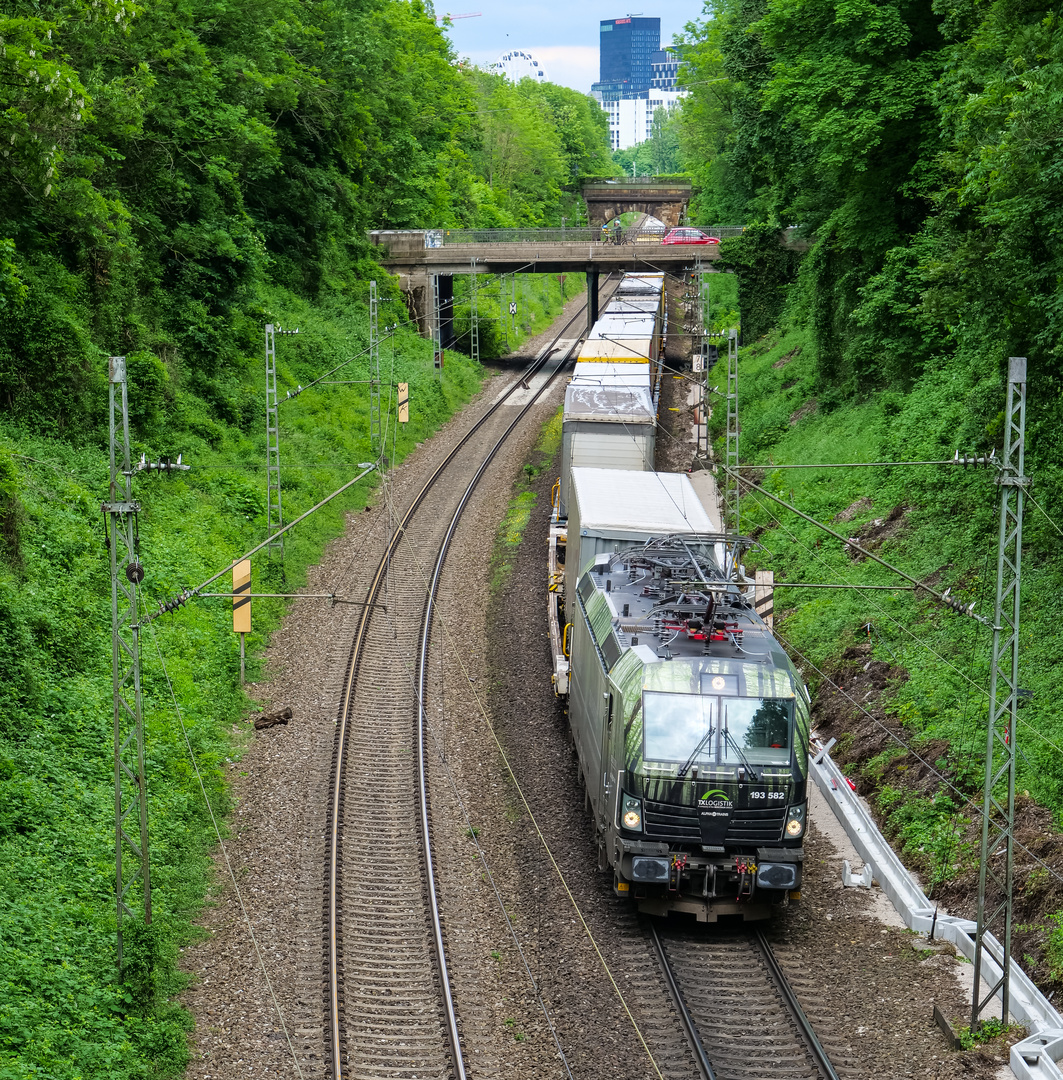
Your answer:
<point x="631" y="814"/>
<point x="795" y="821"/>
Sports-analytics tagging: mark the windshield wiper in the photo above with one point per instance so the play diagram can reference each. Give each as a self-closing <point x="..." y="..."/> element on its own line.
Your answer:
<point x="697" y="750"/>
<point x="738" y="751"/>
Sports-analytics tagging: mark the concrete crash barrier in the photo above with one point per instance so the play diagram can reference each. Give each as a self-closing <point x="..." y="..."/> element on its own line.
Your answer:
<point x="1038" y="1055"/>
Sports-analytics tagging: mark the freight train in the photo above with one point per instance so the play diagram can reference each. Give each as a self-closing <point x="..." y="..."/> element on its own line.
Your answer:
<point x="690" y="723"/>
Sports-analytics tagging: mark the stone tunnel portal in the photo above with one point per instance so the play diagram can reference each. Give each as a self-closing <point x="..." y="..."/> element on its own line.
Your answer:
<point x="666" y="202"/>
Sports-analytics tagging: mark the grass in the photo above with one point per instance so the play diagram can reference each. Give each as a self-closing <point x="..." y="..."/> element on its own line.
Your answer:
<point x="987" y="1031"/>
<point x="723" y="302"/>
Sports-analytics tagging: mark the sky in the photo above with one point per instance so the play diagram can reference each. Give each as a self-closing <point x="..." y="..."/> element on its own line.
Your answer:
<point x="561" y="34"/>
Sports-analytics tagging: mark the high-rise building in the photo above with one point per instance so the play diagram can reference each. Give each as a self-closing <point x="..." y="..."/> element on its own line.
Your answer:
<point x="637" y="78"/>
<point x="664" y="69"/>
<point x="627" y="48"/>
<point x="631" y="118"/>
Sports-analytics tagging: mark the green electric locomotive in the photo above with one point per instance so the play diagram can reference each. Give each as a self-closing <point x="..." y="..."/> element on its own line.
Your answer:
<point x="690" y="722"/>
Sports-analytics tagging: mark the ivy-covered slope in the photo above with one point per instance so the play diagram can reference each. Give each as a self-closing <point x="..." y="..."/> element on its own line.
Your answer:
<point x="908" y="146"/>
<point x="899" y="680"/>
<point x="65" y="1012"/>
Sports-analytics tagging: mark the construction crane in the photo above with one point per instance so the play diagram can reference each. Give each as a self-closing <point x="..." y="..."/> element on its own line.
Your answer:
<point x="467" y="15"/>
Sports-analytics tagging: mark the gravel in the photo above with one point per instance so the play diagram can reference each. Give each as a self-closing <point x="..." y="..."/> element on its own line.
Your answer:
<point x="257" y="991"/>
<point x="513" y="903"/>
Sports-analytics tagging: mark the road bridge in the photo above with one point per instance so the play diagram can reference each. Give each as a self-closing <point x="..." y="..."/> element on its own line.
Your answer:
<point x="417" y="256"/>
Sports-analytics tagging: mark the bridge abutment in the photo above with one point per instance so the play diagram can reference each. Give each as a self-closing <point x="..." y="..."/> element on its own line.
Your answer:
<point x="446" y="311"/>
<point x="417" y="292"/>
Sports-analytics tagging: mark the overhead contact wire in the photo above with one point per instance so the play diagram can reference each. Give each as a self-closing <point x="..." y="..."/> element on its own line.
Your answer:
<point x="472" y="832"/>
<point x="455" y="652"/>
<point x="856" y="547"/>
<point x="904" y="629"/>
<point x="964" y="798"/>
<point x="382" y="574"/>
<point x="557" y="869"/>
<point x="225" y="856"/>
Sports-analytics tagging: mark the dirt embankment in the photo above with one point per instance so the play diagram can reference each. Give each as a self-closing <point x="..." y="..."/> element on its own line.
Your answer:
<point x="872" y="749"/>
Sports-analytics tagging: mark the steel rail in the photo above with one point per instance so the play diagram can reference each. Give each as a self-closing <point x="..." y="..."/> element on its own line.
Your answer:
<point x="815" y="1047"/>
<point x="343" y="719"/>
<point x="422" y="675"/>
<point x="700" y="1057"/>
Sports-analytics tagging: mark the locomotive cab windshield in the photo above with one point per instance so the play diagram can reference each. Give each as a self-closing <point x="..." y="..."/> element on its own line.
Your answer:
<point x="709" y="730"/>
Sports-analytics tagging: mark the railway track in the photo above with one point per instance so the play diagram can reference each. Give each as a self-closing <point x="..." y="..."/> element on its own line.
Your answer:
<point x="388" y="999"/>
<point x="389" y="1002"/>
<point x="743" y="1020"/>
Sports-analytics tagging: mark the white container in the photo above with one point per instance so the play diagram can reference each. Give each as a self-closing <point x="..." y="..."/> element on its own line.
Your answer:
<point x="608" y="423"/>
<point x="613" y="509"/>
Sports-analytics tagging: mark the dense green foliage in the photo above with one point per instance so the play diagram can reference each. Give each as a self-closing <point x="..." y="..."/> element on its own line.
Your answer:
<point x="764" y="269"/>
<point x="173" y="177"/>
<point x="910" y="148"/>
<point x="660" y="154"/>
<point x="537" y="140"/>
<point x="161" y="165"/>
<point x="909" y="143"/>
<point x="64" y="1012"/>
<point x="940" y="524"/>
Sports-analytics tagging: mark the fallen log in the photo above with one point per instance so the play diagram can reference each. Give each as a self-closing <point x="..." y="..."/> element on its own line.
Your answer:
<point x="270" y="719"/>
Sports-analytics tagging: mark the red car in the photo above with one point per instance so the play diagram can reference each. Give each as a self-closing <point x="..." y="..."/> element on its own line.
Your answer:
<point x="688" y="236"/>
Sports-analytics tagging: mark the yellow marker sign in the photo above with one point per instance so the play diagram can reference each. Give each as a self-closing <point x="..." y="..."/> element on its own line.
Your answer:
<point x="242" y="604"/>
<point x="404" y="403"/>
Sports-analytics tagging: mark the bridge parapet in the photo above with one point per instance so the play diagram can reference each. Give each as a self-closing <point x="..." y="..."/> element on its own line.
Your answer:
<point x="411" y="242"/>
<point x="637" y="189"/>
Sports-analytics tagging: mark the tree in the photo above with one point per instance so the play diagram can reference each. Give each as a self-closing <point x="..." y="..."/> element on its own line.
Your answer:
<point x="664" y="142"/>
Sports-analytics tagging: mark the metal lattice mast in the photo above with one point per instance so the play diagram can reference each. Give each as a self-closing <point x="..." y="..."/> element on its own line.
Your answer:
<point x="474" y="317"/>
<point x="503" y="311"/>
<point x="130" y="791"/>
<point x="703" y="344"/>
<point x="436" y="324"/>
<point x="703" y="297"/>
<point x="998" y="801"/>
<point x="731" y="485"/>
<point x="274" y="513"/>
<point x="374" y="372"/>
